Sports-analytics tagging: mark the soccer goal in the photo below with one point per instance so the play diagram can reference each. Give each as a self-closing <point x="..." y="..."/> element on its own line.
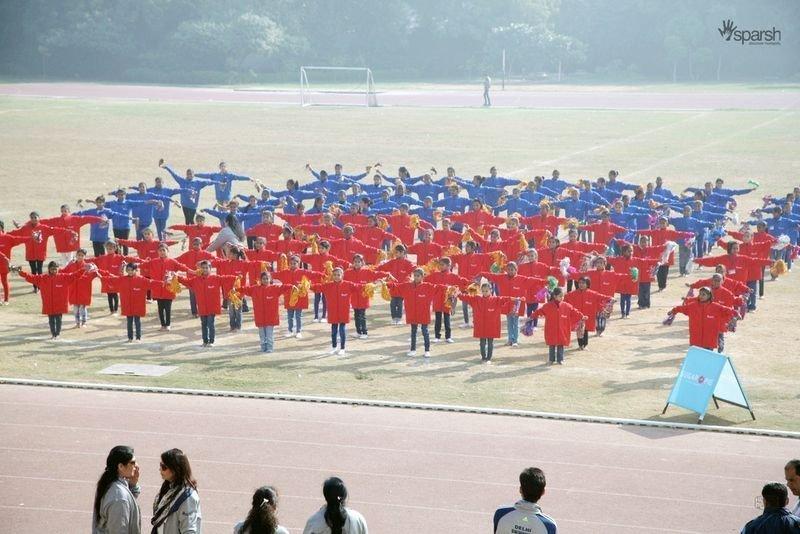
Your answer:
<point x="337" y="86"/>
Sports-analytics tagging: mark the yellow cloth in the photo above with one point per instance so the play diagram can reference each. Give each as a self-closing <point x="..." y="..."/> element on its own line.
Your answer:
<point x="431" y="267"/>
<point x="299" y="291"/>
<point x="174" y="286"/>
<point x="234" y="298"/>
<point x="452" y="250"/>
<point x="328" y="266"/>
<point x="283" y="262"/>
<point x="778" y="268"/>
<point x="385" y="293"/>
<point x="473" y="289"/>
<point x="449" y="298"/>
<point x="413" y="222"/>
<point x="369" y="290"/>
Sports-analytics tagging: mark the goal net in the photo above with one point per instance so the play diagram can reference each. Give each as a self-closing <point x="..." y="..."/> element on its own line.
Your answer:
<point x="337" y="86"/>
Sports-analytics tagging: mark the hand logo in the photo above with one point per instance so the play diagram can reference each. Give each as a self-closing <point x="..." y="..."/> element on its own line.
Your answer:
<point x="727" y="29"/>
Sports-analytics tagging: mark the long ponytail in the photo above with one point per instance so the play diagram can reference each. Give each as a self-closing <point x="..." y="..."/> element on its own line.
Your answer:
<point x="121" y="454"/>
<point x="335" y="494"/>
<point x="262" y="518"/>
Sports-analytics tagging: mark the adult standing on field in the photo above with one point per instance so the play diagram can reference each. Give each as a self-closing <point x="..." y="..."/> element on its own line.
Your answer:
<point x="334" y="518"/>
<point x="176" y="508"/>
<point x="487" y="84"/>
<point x="115" y="508"/>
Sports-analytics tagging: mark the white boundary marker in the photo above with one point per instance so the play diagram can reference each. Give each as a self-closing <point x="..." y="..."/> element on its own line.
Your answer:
<point x="396" y="404"/>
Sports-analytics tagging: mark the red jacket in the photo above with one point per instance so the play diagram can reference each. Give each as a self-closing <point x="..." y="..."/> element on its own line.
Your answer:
<point x="338" y="295"/>
<point x="426" y="251"/>
<point x="418" y="299"/>
<point x="287" y="246"/>
<point x="296" y="220"/>
<point x="54" y="289"/>
<point x="604" y="282"/>
<point x="80" y="292"/>
<point x="627" y="285"/>
<point x="266" y="300"/>
<point x="37" y="250"/>
<point x="361" y="276"/>
<point x="192" y="230"/>
<point x="372" y="236"/>
<point x="145" y="249"/>
<point x="441" y="278"/>
<point x="604" y="231"/>
<point x="476" y="219"/>
<point x="111" y="264"/>
<point x="191" y="258"/>
<point x="706" y="321"/>
<point x="133" y="293"/>
<point x="447" y="238"/>
<point x="7" y="242"/>
<point x="207" y="291"/>
<point x="559" y="320"/>
<point x="67" y="242"/>
<point x="233" y="268"/>
<point x="156" y="269"/>
<point x="400" y="268"/>
<point x="353" y="218"/>
<point x="316" y="262"/>
<point x="294" y="277"/>
<point x="739" y="267"/>
<point x="324" y="231"/>
<point x="510" y="248"/>
<point x="734" y="286"/>
<point x="347" y="248"/>
<point x="401" y="227"/>
<point x="660" y="236"/>
<point x="589" y="303"/>
<point x="486" y="312"/>
<point x="518" y="286"/>
<point x="540" y="222"/>
<point x="471" y="265"/>
<point x="269" y="231"/>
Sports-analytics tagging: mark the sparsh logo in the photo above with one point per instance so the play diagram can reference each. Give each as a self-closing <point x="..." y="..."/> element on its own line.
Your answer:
<point x="729" y="31"/>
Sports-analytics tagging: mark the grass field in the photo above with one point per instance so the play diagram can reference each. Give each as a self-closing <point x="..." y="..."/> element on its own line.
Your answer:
<point x="56" y="151"/>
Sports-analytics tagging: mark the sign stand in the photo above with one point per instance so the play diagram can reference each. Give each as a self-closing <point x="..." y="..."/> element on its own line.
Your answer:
<point x="707" y="375"/>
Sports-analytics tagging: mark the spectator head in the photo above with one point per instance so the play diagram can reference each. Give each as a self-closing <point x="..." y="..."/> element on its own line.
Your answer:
<point x="792" y="470"/>
<point x="775" y="495"/>
<point x="531" y="480"/>
<point x="262" y="516"/>
<point x="335" y="494"/>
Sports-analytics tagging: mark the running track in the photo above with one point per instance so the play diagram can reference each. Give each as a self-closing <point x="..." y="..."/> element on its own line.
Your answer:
<point x="545" y="99"/>
<point x="407" y="470"/>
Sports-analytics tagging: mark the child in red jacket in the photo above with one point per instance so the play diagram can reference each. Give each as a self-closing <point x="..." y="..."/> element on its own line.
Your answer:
<point x="338" y="293"/>
<point x="133" y="288"/>
<point x="266" y="301"/>
<point x="444" y="307"/>
<point x="7" y="242"/>
<point x="589" y="303"/>
<point x="111" y="262"/>
<point x="418" y="297"/>
<point x="708" y="320"/>
<point x="54" y="288"/>
<point x="559" y="318"/>
<point x="359" y="275"/>
<point x="487" y="310"/>
<point x="399" y="267"/>
<point x="157" y="269"/>
<point x="80" y="293"/>
<point x="207" y="288"/>
<point x="511" y="284"/>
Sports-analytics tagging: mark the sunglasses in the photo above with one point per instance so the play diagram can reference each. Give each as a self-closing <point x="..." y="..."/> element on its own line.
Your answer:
<point x="162" y="467"/>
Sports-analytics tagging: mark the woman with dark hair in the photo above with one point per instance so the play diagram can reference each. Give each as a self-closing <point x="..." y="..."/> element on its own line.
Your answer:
<point x="231" y="233"/>
<point x="115" y="508"/>
<point x="334" y="518"/>
<point x="262" y="518"/>
<point x="176" y="508"/>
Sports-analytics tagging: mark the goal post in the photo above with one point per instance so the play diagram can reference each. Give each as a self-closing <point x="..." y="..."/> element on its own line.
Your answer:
<point x="337" y="86"/>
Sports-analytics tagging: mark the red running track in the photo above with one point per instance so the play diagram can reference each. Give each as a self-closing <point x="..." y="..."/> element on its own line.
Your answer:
<point x="545" y="99"/>
<point x="407" y="470"/>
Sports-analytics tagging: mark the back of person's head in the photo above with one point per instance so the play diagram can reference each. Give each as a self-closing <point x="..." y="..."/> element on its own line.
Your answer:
<point x="121" y="454"/>
<point x="262" y="518"/>
<point x="531" y="484"/>
<point x="775" y="495"/>
<point x="335" y="494"/>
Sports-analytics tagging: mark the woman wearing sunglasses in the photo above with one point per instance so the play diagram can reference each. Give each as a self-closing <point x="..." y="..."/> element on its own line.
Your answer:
<point x="176" y="508"/>
<point x="115" y="508"/>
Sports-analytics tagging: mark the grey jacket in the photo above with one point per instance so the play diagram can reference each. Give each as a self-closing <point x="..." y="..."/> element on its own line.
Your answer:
<point x="119" y="511"/>
<point x="185" y="520"/>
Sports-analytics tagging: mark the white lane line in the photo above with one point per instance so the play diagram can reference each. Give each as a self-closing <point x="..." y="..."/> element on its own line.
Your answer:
<point x="737" y="133"/>
<point x="413" y="477"/>
<point x="419" y="507"/>
<point x="532" y="438"/>
<point x="608" y="143"/>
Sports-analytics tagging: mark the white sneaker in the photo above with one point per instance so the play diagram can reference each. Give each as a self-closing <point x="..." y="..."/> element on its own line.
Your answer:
<point x="450" y="340"/>
<point x="436" y="340"/>
<point x="363" y="336"/>
<point x="298" y="335"/>
<point x="464" y="325"/>
<point x="289" y="334"/>
<point x="333" y="351"/>
<point x="515" y="344"/>
<point x="427" y="354"/>
<point x="342" y="353"/>
<point x="317" y="320"/>
<point x="412" y="353"/>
